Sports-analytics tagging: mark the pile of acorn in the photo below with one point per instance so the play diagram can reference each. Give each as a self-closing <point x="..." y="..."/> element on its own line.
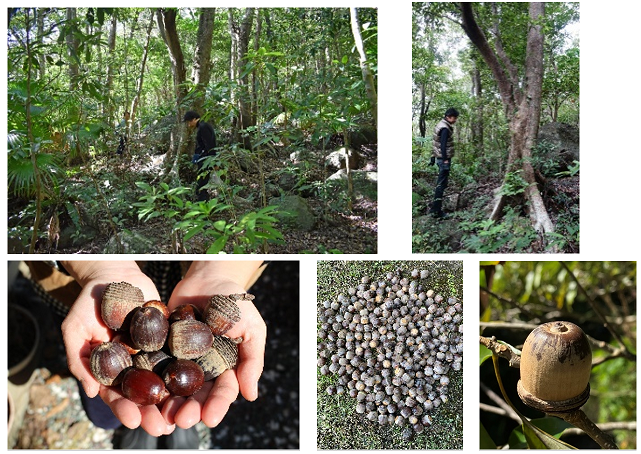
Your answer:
<point x="156" y="354"/>
<point x="391" y="343"/>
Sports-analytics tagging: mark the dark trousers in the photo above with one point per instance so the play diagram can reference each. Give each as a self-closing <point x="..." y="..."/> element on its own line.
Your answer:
<point x="202" y="180"/>
<point x="441" y="185"/>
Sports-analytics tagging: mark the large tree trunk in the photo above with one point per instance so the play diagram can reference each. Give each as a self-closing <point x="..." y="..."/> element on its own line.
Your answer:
<point x="202" y="56"/>
<point x="72" y="50"/>
<point x="368" y="76"/>
<point x="522" y="103"/>
<point x="179" y="134"/>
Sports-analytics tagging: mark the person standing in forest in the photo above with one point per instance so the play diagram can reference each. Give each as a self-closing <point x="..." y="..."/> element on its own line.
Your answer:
<point x="442" y="153"/>
<point x="205" y="146"/>
<point x="122" y="129"/>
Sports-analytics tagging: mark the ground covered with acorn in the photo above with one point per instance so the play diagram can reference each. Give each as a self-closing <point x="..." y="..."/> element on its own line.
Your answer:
<point x="404" y="406"/>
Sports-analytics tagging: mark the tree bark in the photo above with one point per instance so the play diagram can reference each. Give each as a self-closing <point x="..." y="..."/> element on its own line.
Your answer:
<point x="368" y="76"/>
<point x="240" y="45"/>
<point x="141" y="77"/>
<point x="522" y="103"/>
<point x="111" y="45"/>
<point x="201" y="71"/>
<point x="179" y="134"/>
<point x="72" y="50"/>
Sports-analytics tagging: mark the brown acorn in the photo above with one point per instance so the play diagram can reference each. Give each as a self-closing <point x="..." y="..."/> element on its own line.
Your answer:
<point x="154" y="361"/>
<point x="189" y="339"/>
<point x="143" y="387"/>
<point x="556" y="362"/>
<point x="222" y="355"/>
<point x="108" y="361"/>
<point x="185" y="312"/>
<point x="148" y="329"/>
<point x="183" y="377"/>
<point x="119" y="299"/>
<point x="222" y="312"/>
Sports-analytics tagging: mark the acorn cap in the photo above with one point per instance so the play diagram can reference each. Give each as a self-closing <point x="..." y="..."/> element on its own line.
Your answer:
<point x="119" y="299"/>
<point x="222" y="312"/>
<point x="222" y="355"/>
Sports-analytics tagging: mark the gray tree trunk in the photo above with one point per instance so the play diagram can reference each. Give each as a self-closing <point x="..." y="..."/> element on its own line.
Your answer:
<point x="522" y="103"/>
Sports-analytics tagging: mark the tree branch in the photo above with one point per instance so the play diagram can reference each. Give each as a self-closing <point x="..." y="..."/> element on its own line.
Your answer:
<point x="476" y="35"/>
<point x="501" y="350"/>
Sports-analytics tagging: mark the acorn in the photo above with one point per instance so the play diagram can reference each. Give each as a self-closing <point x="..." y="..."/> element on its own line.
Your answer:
<point x="119" y="299"/>
<point x="183" y="377"/>
<point x="108" y="361"/>
<point x="148" y="329"/>
<point x="189" y="339"/>
<point x="222" y="312"/>
<point x="556" y="362"/>
<point x="222" y="355"/>
<point x="154" y="361"/>
<point x="185" y="312"/>
<point x="143" y="387"/>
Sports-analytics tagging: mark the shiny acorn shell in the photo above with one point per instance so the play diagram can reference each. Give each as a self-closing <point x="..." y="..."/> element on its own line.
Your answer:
<point x="119" y="299"/>
<point x="221" y="356"/>
<point x="108" y="361"/>
<point x="189" y="339"/>
<point x="222" y="312"/>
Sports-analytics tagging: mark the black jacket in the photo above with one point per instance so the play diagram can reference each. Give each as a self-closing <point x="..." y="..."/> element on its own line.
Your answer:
<point x="205" y="139"/>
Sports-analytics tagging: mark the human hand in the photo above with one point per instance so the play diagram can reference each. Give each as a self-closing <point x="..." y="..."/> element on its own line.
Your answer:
<point x="211" y="402"/>
<point x="83" y="329"/>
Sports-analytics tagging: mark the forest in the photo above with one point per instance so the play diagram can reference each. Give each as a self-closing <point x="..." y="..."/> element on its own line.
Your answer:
<point x="100" y="159"/>
<point x="511" y="70"/>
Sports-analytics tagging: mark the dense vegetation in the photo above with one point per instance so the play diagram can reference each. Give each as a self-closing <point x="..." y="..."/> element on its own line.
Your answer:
<point x="282" y="87"/>
<point x="512" y="70"/>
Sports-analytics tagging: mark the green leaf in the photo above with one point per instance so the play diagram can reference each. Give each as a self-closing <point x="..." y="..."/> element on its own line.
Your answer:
<point x="486" y="441"/>
<point x="218" y="245"/>
<point x="552" y="426"/>
<point x="194" y="231"/>
<point x="484" y="353"/>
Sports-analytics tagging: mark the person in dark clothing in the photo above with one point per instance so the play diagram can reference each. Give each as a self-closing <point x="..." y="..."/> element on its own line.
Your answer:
<point x="205" y="146"/>
<point x="442" y="153"/>
<point x="122" y="130"/>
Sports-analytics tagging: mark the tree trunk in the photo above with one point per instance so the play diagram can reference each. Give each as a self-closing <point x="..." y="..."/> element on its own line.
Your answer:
<point x="202" y="56"/>
<point x="72" y="50"/>
<point x="42" y="62"/>
<point x="477" y="123"/>
<point x="368" y="76"/>
<point x="522" y="103"/>
<point x="179" y="134"/>
<point x="108" y="111"/>
<point x="139" y="83"/>
<point x="240" y="44"/>
<point x="422" y="127"/>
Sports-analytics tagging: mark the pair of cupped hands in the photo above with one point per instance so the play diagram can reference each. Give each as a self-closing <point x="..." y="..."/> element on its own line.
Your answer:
<point x="83" y="329"/>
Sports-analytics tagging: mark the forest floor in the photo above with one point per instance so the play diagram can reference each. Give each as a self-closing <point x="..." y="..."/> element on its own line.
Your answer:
<point x="111" y="181"/>
<point x="468" y="229"/>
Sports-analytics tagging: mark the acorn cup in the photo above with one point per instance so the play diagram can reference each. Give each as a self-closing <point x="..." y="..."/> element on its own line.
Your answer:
<point x="556" y="361"/>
